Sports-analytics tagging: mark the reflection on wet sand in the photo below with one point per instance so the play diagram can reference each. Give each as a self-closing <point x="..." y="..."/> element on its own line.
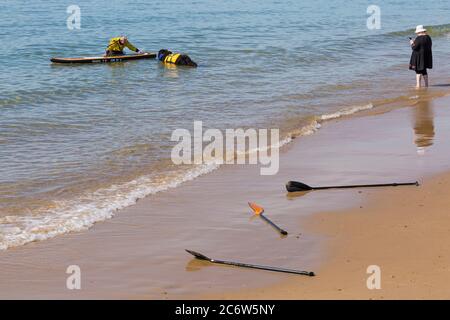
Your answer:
<point x="295" y="195"/>
<point x="196" y="265"/>
<point x="423" y="126"/>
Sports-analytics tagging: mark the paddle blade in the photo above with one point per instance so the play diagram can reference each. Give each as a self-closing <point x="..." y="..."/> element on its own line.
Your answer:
<point x="198" y="255"/>
<point x="295" y="186"/>
<point x="256" y="209"/>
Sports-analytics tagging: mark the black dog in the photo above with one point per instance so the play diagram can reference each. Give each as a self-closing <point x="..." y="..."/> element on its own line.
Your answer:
<point x="167" y="56"/>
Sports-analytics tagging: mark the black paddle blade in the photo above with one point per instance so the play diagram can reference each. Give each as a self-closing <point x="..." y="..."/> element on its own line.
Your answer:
<point x="198" y="255"/>
<point x="294" y="186"/>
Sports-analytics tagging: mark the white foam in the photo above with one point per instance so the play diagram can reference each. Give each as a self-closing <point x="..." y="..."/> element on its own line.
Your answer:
<point x="82" y="213"/>
<point x="346" y="112"/>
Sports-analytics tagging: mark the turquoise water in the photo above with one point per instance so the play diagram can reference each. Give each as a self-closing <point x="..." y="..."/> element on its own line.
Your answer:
<point x="78" y="142"/>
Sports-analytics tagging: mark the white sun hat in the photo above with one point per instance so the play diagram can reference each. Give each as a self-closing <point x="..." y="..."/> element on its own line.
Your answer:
<point x="420" y="29"/>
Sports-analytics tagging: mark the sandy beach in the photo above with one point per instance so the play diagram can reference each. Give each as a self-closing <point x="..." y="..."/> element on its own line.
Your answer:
<point x="404" y="232"/>
<point x="335" y="233"/>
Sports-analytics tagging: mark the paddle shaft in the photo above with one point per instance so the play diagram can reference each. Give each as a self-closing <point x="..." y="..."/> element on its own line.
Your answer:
<point x="283" y="232"/>
<point x="253" y="266"/>
<point x="367" y="186"/>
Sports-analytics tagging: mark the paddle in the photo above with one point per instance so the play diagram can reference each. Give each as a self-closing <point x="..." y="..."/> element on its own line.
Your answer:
<point x="259" y="211"/>
<point x="252" y="266"/>
<point x="295" y="186"/>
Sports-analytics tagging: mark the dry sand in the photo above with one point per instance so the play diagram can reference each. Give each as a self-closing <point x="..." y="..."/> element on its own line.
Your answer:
<point x="140" y="252"/>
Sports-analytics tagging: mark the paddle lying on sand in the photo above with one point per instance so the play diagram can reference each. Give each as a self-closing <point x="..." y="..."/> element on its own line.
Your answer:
<point x="246" y="265"/>
<point x="295" y="186"/>
<point x="259" y="211"/>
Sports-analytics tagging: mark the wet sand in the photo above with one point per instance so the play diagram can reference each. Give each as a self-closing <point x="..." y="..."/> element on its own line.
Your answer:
<point x="140" y="252"/>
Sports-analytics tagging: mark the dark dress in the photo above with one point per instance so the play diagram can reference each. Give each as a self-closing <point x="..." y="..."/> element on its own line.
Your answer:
<point x="422" y="56"/>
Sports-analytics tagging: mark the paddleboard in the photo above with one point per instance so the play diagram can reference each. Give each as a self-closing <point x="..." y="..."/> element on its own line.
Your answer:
<point x="102" y="59"/>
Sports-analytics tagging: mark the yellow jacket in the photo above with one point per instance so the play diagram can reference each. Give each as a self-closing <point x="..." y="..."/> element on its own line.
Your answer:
<point x="115" y="45"/>
<point x="172" y="58"/>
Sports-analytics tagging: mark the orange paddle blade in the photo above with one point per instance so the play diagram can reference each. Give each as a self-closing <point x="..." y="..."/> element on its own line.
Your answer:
<point x="256" y="209"/>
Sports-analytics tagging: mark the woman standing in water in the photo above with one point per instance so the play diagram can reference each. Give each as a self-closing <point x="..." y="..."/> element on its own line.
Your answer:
<point x="421" y="57"/>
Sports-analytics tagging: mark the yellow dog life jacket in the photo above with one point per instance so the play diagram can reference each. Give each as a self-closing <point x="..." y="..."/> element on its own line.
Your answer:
<point x="172" y="58"/>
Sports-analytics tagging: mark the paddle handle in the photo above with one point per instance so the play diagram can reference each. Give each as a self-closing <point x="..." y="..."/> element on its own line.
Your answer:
<point x="283" y="232"/>
<point x="267" y="268"/>
<point x="369" y="186"/>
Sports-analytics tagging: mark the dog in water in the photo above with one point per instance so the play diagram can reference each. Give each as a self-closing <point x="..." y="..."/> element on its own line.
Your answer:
<point x="178" y="59"/>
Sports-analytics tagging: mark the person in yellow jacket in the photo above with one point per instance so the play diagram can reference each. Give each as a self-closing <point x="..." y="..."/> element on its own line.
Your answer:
<point x="116" y="46"/>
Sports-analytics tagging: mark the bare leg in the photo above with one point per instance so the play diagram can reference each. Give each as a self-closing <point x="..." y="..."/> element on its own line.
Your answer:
<point x="425" y="79"/>
<point x="418" y="78"/>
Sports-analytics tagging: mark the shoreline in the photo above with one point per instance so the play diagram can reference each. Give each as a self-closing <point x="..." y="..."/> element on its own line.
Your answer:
<point x="210" y="214"/>
<point x="101" y="203"/>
